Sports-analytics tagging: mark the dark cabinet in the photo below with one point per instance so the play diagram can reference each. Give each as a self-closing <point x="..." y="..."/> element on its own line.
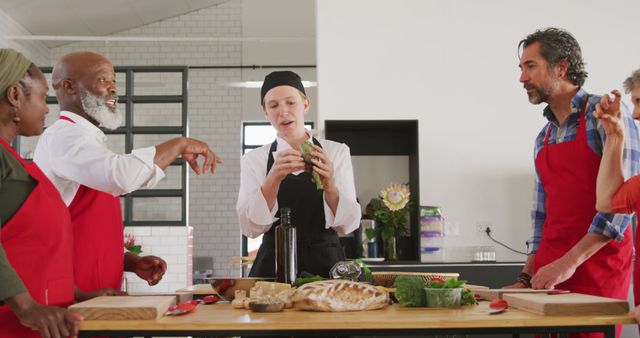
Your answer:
<point x="386" y="138"/>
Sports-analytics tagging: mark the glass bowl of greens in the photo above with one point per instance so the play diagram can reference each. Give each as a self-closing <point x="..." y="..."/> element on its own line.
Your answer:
<point x="443" y="297"/>
<point x="411" y="292"/>
<point x="441" y="293"/>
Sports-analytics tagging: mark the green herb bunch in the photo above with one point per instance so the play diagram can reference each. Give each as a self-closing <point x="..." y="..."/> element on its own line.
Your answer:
<point x="368" y="276"/>
<point x="306" y="149"/>
<point x="304" y="280"/>
<point x="450" y="283"/>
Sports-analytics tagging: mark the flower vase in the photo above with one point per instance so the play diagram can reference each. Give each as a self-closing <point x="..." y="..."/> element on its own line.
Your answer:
<point x="390" y="250"/>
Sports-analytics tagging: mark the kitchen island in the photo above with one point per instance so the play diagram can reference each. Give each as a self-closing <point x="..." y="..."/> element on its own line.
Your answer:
<point x="222" y="320"/>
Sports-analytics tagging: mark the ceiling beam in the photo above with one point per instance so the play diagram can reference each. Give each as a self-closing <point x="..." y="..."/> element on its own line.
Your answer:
<point x="154" y="38"/>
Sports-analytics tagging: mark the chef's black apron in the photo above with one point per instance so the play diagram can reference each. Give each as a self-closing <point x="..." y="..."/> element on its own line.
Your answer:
<point x="318" y="248"/>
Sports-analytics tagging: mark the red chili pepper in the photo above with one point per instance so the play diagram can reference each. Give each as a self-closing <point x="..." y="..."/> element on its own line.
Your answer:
<point x="211" y="299"/>
<point x="499" y="304"/>
<point x="181" y="308"/>
<point x="437" y="279"/>
<point x="195" y="301"/>
<point x="186" y="307"/>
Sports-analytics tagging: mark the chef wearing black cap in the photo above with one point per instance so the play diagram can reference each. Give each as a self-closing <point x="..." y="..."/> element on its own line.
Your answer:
<point x="273" y="177"/>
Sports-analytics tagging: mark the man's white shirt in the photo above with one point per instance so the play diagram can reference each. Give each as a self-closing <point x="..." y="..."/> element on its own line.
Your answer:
<point x="74" y="154"/>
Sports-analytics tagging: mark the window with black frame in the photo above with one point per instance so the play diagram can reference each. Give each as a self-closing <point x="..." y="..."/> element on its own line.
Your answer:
<point x="154" y="99"/>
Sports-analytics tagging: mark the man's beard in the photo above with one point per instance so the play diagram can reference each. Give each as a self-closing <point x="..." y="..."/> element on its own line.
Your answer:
<point x="543" y="92"/>
<point x="96" y="107"/>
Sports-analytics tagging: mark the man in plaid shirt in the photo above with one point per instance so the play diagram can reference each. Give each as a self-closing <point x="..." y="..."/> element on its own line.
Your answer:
<point x="573" y="247"/>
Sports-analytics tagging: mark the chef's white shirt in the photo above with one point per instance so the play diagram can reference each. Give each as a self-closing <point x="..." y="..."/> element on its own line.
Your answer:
<point x="252" y="209"/>
<point x="74" y="154"/>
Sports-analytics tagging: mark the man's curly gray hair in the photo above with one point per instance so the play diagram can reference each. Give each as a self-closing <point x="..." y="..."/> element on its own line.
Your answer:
<point x="632" y="81"/>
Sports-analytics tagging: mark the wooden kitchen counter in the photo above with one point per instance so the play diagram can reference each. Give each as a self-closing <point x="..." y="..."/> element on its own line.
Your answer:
<point x="221" y="319"/>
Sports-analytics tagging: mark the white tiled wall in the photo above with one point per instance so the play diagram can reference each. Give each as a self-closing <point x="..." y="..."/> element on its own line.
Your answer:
<point x="168" y="243"/>
<point x="37" y="52"/>
<point x="214" y="117"/>
<point x="216" y="112"/>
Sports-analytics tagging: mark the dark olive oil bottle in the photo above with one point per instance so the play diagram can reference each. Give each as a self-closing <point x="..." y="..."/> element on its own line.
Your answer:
<point x="286" y="254"/>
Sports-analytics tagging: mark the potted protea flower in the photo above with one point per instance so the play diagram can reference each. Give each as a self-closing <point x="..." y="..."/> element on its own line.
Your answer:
<point x="393" y="216"/>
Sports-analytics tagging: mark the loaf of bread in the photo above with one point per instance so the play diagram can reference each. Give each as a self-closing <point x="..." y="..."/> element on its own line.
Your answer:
<point x="339" y="295"/>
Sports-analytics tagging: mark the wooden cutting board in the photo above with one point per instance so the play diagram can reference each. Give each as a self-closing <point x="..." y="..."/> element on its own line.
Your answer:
<point x="124" y="307"/>
<point x="198" y="289"/>
<point x="569" y="304"/>
<point x="493" y="294"/>
<point x="181" y="297"/>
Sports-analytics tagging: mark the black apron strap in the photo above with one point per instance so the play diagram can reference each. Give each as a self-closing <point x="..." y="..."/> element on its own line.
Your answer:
<point x="274" y="147"/>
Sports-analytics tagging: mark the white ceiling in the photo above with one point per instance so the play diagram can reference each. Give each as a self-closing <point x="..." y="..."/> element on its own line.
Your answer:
<point x="93" y="17"/>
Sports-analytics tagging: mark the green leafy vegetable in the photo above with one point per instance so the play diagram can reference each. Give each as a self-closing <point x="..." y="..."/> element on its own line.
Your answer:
<point x="370" y="233"/>
<point x="450" y="283"/>
<point x="305" y="280"/>
<point x="317" y="180"/>
<point x="410" y="291"/>
<point x="306" y="149"/>
<point x="468" y="298"/>
<point x="368" y="277"/>
<point x="454" y="283"/>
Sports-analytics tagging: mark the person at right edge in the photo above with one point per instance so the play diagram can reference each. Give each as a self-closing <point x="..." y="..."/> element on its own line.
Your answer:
<point x="573" y="247"/>
<point x="613" y="193"/>
<point x="273" y="177"/>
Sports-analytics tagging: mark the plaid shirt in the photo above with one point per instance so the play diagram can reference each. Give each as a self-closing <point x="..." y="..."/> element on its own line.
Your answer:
<point x="610" y="225"/>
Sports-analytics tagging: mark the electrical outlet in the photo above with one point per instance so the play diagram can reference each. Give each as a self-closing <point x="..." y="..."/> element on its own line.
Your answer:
<point x="480" y="228"/>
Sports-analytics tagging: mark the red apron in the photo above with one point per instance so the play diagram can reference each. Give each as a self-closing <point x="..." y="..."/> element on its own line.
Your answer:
<point x="98" y="251"/>
<point x="568" y="172"/>
<point x="38" y="241"/>
<point x="636" y="269"/>
<point x="627" y="199"/>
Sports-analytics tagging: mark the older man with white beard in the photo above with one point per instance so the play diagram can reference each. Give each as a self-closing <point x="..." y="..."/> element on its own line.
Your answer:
<point x="90" y="177"/>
